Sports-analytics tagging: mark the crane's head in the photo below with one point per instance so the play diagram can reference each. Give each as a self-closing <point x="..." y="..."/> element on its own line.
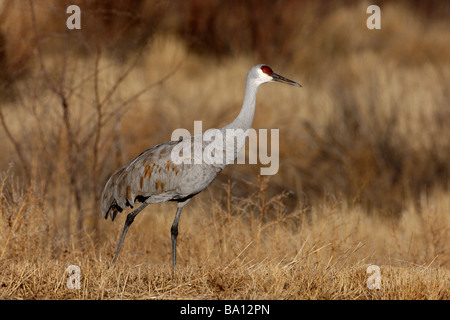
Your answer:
<point x="262" y="73"/>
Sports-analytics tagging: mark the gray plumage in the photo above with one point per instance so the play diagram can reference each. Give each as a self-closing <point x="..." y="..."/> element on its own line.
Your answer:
<point x="154" y="176"/>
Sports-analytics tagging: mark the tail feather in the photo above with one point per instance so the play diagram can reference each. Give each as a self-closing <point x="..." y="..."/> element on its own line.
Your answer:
<point x="109" y="205"/>
<point x="112" y="211"/>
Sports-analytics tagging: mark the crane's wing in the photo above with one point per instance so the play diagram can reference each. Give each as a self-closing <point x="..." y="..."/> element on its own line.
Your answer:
<point x="155" y="178"/>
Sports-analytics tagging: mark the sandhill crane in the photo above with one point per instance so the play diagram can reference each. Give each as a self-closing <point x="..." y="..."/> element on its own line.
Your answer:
<point x="153" y="177"/>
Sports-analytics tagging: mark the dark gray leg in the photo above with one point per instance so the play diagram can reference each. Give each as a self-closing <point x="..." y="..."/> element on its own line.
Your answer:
<point x="128" y="222"/>
<point x="174" y="233"/>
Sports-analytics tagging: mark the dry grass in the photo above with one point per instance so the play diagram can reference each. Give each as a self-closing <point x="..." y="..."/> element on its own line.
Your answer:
<point x="47" y="280"/>
<point x="242" y="250"/>
<point x="364" y="171"/>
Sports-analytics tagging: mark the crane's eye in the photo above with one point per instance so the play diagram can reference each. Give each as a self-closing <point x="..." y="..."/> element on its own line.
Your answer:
<point x="266" y="70"/>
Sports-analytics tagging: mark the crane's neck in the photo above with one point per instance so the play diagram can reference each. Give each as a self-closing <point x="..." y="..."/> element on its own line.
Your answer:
<point x="245" y="118"/>
<point x="236" y="133"/>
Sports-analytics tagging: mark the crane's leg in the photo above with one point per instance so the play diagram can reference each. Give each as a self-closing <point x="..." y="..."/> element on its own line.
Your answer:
<point x="174" y="231"/>
<point x="174" y="234"/>
<point x="128" y="222"/>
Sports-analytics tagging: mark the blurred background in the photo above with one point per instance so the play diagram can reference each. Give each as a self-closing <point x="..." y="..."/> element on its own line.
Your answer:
<point x="370" y="128"/>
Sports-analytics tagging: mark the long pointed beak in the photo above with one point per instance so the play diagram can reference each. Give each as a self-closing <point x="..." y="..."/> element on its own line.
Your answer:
<point x="278" y="78"/>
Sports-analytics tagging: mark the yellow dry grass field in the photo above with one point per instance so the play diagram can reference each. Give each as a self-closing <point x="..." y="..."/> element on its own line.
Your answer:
<point x="362" y="192"/>
<point x="232" y="255"/>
